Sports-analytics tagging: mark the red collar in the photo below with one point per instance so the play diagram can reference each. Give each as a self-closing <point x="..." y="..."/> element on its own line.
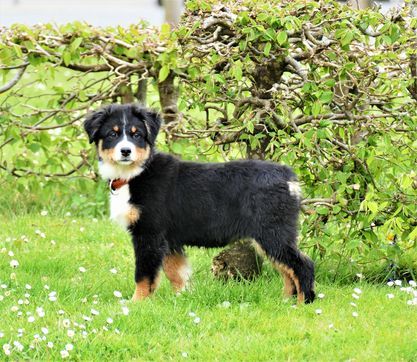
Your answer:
<point x="117" y="183"/>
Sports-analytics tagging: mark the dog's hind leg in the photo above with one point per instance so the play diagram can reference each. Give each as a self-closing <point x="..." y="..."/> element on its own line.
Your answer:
<point x="177" y="270"/>
<point x="289" y="286"/>
<point x="296" y="268"/>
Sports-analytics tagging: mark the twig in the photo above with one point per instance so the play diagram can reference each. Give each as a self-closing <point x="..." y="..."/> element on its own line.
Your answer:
<point x="14" y="81"/>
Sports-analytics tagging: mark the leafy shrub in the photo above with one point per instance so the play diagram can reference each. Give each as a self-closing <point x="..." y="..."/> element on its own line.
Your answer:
<point x="326" y="89"/>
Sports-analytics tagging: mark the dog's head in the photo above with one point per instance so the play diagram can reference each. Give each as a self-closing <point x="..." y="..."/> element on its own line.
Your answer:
<point x="125" y="136"/>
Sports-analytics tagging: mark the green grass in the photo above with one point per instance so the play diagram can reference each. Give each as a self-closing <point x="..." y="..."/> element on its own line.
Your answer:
<point x="258" y="325"/>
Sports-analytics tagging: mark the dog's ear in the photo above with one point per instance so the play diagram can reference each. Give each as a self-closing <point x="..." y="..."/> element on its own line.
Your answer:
<point x="152" y="121"/>
<point x="93" y="122"/>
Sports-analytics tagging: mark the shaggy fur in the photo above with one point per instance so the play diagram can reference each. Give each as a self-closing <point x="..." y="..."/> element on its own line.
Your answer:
<point x="166" y="203"/>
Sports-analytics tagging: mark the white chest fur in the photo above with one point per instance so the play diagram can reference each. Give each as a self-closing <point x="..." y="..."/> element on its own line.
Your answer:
<point x="121" y="210"/>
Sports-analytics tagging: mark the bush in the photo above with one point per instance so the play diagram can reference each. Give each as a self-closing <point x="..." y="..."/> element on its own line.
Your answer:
<point x="323" y="88"/>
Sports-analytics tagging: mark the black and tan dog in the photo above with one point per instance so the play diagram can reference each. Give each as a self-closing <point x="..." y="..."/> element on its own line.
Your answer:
<point x="166" y="203"/>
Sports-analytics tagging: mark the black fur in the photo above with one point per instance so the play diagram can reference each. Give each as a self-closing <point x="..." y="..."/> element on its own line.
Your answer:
<point x="208" y="204"/>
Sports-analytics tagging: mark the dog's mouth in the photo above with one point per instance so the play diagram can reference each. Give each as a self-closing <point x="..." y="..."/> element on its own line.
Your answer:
<point x="125" y="161"/>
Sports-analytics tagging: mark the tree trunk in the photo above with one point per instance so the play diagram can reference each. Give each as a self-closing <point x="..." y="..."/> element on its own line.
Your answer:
<point x="173" y="10"/>
<point x="360" y="4"/>
<point x="142" y="91"/>
<point x="168" y="96"/>
<point x="239" y="261"/>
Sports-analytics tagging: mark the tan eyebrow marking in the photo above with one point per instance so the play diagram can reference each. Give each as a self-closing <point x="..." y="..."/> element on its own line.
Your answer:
<point x="116" y="128"/>
<point x="134" y="129"/>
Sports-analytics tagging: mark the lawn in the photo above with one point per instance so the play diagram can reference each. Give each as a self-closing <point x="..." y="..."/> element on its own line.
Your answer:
<point x="69" y="297"/>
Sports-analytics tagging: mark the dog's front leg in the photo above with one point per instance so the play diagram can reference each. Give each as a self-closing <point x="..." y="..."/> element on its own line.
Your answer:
<point x="149" y="253"/>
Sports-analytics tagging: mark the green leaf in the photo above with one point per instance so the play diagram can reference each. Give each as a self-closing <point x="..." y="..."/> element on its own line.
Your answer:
<point x="336" y="209"/>
<point x="165" y="31"/>
<point x="347" y="38"/>
<point x="373" y="206"/>
<point x="413" y="234"/>
<point x="316" y="109"/>
<point x="75" y="44"/>
<point x="133" y="53"/>
<point x="267" y="49"/>
<point x="237" y="70"/>
<point x="163" y="73"/>
<point x="326" y="97"/>
<point x="250" y="127"/>
<point x="322" y="210"/>
<point x="282" y="37"/>
<point x="66" y="57"/>
<point x="34" y="147"/>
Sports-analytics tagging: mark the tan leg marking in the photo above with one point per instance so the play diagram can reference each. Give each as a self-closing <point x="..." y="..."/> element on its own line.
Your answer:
<point x="289" y="272"/>
<point x="145" y="288"/>
<point x="288" y="283"/>
<point x="177" y="270"/>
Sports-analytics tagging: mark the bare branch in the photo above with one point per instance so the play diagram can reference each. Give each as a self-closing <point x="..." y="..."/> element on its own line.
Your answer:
<point x="15" y="79"/>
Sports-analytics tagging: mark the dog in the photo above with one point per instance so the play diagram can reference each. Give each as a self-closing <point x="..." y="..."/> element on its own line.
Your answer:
<point x="166" y="203"/>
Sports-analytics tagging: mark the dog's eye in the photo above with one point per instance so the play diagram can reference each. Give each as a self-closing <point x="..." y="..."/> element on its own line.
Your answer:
<point x="113" y="134"/>
<point x="136" y="135"/>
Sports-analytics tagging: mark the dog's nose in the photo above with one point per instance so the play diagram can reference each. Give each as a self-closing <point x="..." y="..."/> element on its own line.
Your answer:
<point x="126" y="152"/>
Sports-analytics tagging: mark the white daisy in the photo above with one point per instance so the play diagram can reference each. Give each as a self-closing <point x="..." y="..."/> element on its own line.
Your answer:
<point x="7" y="349"/>
<point x="125" y="310"/>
